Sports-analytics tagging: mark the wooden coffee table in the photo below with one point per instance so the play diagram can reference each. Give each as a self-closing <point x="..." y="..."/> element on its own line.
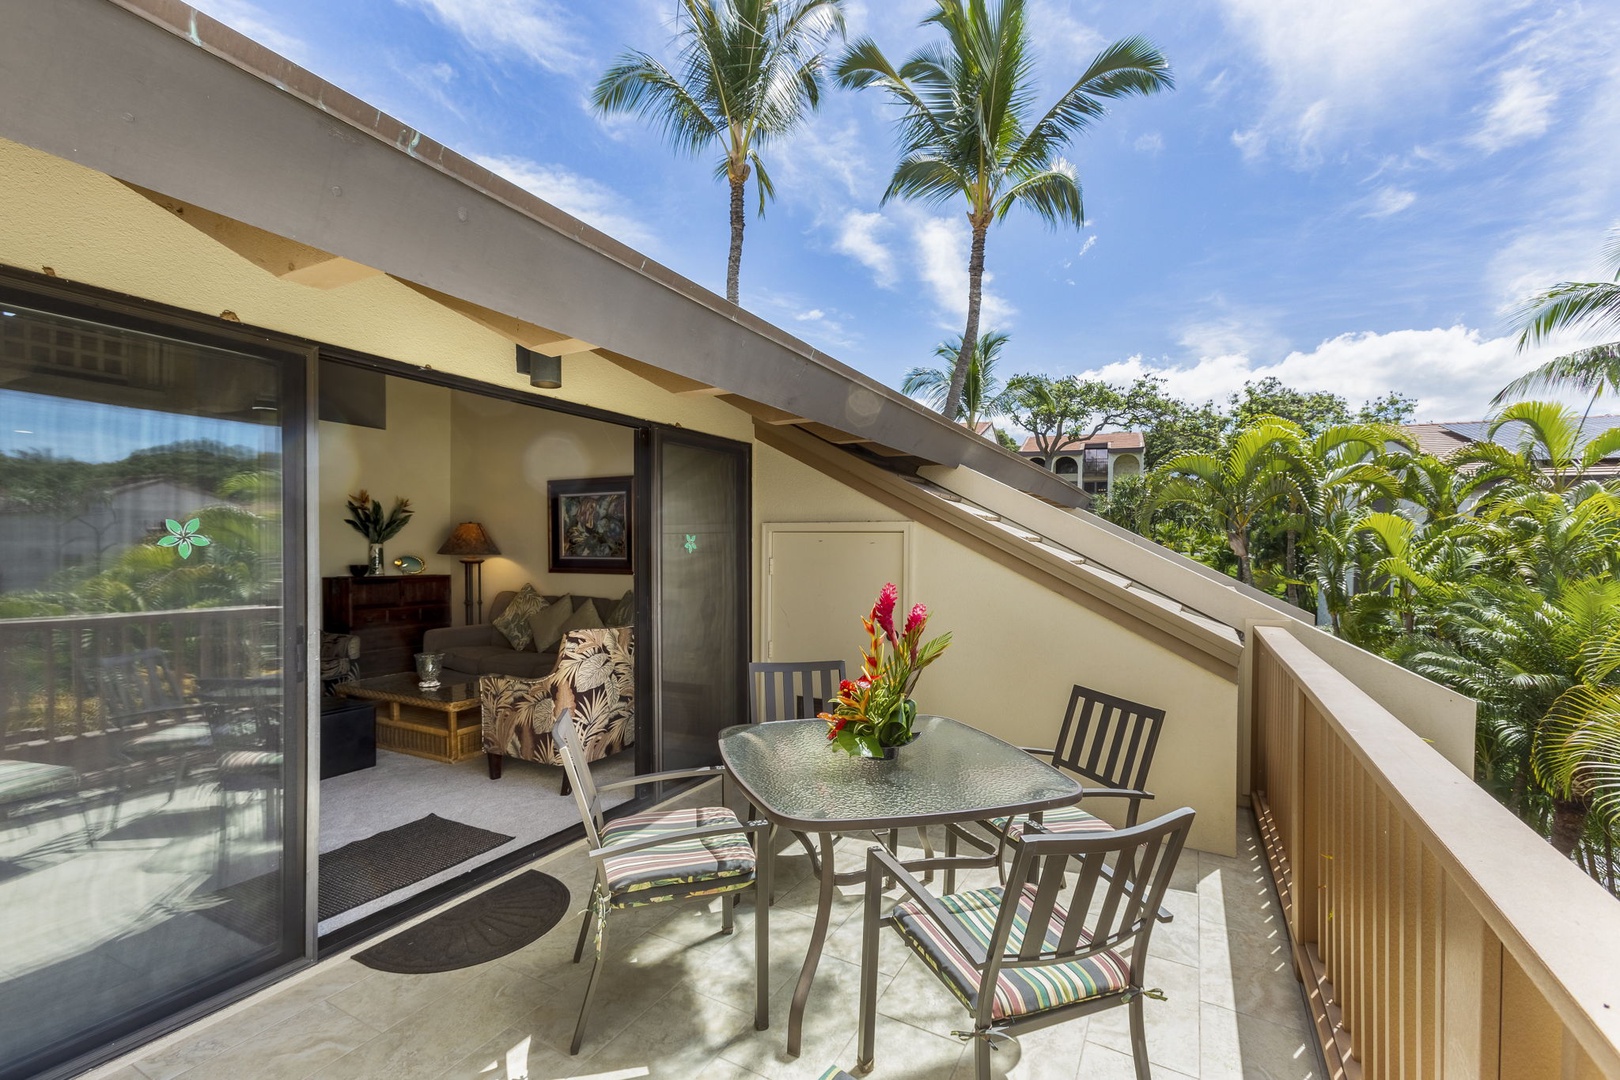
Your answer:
<point x="426" y="723"/>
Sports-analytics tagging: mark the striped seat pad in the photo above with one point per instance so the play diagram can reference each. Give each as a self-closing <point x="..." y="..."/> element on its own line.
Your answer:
<point x="1065" y="819"/>
<point x="1019" y="991"/>
<point x="723" y="858"/>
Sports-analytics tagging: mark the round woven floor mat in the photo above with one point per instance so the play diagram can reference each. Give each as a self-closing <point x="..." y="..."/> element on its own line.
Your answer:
<point x="490" y="925"/>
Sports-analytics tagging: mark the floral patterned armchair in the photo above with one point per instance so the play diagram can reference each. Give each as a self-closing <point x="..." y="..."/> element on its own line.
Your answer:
<point x="595" y="676"/>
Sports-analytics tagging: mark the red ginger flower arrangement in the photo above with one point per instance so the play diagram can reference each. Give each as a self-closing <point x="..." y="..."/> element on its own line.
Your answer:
<point x="875" y="711"/>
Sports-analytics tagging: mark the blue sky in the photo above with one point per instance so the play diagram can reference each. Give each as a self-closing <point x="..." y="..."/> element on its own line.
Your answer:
<point x="1351" y="196"/>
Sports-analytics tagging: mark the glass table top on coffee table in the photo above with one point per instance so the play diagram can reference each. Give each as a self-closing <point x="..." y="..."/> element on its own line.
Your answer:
<point x="950" y="773"/>
<point x="430" y="723"/>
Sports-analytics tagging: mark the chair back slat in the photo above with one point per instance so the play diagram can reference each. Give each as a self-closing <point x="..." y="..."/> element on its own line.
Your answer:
<point x="1143" y="859"/>
<point x="796" y="691"/>
<point x="586" y="796"/>
<point x="1108" y="739"/>
<point x="138" y="685"/>
<point x="1039" y="919"/>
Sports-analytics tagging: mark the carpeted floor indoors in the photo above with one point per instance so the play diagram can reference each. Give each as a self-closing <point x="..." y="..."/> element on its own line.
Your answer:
<point x="524" y="804"/>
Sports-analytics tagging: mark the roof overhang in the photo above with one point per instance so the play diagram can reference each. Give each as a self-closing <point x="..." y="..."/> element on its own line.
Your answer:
<point x="166" y="99"/>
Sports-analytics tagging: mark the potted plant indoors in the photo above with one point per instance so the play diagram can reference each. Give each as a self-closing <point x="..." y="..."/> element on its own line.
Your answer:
<point x="366" y="515"/>
<point x="873" y="714"/>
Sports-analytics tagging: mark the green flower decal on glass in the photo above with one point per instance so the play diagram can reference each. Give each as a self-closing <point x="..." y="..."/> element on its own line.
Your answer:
<point x="183" y="537"/>
<point x="691" y="543"/>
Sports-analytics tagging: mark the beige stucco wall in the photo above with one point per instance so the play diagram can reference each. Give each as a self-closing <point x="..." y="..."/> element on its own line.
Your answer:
<point x="1019" y="646"/>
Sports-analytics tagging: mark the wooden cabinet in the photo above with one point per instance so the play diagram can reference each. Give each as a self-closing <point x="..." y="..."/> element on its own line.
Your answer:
<point x="388" y="614"/>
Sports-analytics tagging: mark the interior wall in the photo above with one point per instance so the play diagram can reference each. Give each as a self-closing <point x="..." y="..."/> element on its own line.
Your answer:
<point x="503" y="455"/>
<point x="410" y="458"/>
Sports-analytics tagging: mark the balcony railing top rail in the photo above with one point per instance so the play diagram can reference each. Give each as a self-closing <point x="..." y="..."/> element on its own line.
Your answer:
<point x="1437" y="934"/>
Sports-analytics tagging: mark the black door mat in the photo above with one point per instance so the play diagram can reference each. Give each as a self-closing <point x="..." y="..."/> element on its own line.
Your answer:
<point x="355" y="874"/>
<point x="360" y="872"/>
<point x="498" y="921"/>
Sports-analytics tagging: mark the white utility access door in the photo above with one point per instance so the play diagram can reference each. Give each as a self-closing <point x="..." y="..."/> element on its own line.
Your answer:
<point x="820" y="578"/>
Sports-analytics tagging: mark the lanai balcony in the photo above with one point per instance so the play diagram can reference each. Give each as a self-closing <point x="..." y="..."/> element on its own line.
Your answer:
<point x="1382" y="917"/>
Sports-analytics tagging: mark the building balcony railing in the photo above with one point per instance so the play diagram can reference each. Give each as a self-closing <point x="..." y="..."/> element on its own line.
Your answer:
<point x="1437" y="935"/>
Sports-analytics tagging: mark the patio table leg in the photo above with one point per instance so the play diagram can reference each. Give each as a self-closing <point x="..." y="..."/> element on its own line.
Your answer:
<point x="818" y="938"/>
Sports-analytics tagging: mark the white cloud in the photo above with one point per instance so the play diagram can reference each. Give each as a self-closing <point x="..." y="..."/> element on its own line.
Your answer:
<point x="538" y="30"/>
<point x="941" y="246"/>
<point x="1150" y="142"/>
<point x="1522" y="110"/>
<point x="1251" y="144"/>
<point x="1334" y="68"/>
<point x="1387" y="202"/>
<point x="1091" y="242"/>
<point x="858" y="238"/>
<point x="1453" y="372"/>
<point x="592" y="202"/>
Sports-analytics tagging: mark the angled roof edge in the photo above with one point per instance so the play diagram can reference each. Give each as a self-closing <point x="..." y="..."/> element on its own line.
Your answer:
<point x="282" y="154"/>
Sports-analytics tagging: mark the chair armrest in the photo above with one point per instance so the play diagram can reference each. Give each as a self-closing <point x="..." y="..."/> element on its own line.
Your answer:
<point x="660" y="840"/>
<point x="674" y="774"/>
<point x="448" y="637"/>
<point x="882" y="863"/>
<point x="1113" y="793"/>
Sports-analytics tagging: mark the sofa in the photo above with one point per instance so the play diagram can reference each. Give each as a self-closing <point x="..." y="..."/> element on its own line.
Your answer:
<point x="471" y="651"/>
<point x="594" y="675"/>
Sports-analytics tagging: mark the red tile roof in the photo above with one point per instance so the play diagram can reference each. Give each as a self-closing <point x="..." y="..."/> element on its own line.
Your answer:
<point x="1115" y="440"/>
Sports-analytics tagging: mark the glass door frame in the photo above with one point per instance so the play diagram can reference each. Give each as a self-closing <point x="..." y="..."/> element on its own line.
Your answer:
<point x="296" y="360"/>
<point x="650" y="445"/>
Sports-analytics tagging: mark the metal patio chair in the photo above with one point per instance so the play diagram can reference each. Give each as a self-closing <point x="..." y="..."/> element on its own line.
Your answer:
<point x="664" y="855"/>
<point x="1015" y="957"/>
<point x="1105" y="740"/>
<point x="155" y="723"/>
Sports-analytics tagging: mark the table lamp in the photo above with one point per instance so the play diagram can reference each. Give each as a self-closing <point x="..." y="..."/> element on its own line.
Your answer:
<point x="471" y="541"/>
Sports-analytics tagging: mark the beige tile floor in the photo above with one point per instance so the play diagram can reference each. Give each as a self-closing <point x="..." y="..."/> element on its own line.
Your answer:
<point x="677" y="1001"/>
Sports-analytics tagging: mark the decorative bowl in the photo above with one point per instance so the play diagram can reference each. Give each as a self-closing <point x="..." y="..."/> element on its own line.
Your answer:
<point x="358" y="569"/>
<point x="410" y="564"/>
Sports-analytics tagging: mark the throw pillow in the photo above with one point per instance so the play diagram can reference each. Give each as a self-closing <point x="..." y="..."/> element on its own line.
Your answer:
<point x="624" y="612"/>
<point x="586" y="618"/>
<point x="514" y="621"/>
<point x="546" y="625"/>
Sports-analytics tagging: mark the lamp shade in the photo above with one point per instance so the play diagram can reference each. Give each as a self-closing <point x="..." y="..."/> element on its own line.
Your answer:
<point x="469" y="538"/>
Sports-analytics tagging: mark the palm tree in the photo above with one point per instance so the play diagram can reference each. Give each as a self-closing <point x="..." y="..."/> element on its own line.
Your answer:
<point x="1258" y="469"/>
<point x="1550" y="454"/>
<point x="1567" y="306"/>
<point x="982" y="394"/>
<point x="968" y="126"/>
<point x="748" y="72"/>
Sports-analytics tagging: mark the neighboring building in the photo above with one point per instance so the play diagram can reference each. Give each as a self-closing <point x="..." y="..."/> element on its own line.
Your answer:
<point x="1444" y="439"/>
<point x="42" y="543"/>
<point x="1093" y="463"/>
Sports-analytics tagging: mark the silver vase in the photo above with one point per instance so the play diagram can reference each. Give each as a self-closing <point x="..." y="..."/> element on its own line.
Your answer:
<point x="374" y="559"/>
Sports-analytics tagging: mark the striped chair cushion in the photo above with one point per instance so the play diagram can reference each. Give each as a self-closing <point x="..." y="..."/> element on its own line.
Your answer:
<point x="1019" y="991"/>
<point x="1065" y="819"/>
<point x="726" y="860"/>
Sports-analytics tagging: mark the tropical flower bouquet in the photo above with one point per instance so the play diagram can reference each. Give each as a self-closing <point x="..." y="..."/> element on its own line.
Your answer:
<point x="873" y="714"/>
<point x="368" y="520"/>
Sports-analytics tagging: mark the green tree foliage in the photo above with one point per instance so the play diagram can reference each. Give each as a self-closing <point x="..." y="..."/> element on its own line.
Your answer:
<point x="1573" y="305"/>
<point x="748" y="73"/>
<point x="982" y="394"/>
<point x="1059" y="411"/>
<point x="970" y="131"/>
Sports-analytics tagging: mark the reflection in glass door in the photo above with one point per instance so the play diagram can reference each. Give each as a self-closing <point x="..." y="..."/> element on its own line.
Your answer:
<point x="701" y="594"/>
<point x="149" y="708"/>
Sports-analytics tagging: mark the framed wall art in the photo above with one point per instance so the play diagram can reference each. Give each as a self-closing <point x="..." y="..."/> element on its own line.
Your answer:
<point x="590" y="525"/>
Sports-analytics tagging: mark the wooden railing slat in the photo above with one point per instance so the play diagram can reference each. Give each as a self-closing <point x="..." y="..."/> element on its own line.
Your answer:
<point x="1443" y="936"/>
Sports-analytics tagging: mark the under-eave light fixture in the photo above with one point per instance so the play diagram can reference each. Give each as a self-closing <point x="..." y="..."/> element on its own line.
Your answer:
<point x="544" y="372"/>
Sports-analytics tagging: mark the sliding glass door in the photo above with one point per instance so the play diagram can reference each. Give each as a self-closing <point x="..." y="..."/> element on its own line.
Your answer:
<point x="151" y="682"/>
<point x="700" y="593"/>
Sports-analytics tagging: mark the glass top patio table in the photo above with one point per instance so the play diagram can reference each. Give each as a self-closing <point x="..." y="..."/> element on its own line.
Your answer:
<point x="950" y="772"/>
